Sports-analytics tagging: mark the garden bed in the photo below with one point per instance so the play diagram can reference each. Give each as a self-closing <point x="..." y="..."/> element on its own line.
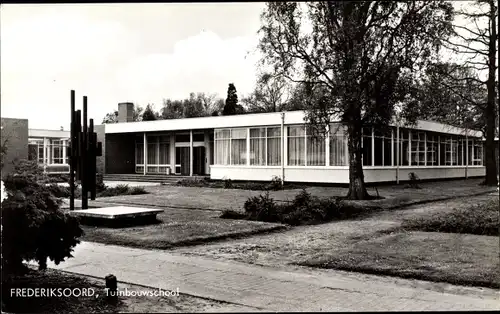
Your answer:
<point x="273" y="185"/>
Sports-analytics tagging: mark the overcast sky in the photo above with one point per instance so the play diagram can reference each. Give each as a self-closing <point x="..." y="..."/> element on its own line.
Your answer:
<point x="121" y="52"/>
<point x="140" y="53"/>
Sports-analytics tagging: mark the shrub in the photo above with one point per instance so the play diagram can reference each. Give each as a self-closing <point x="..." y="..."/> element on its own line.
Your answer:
<point x="33" y="225"/>
<point x="122" y="189"/>
<point x="228" y="184"/>
<point x="192" y="182"/>
<point x="262" y="208"/>
<point x="232" y="214"/>
<point x="276" y="184"/>
<point x="99" y="184"/>
<point x="481" y="219"/>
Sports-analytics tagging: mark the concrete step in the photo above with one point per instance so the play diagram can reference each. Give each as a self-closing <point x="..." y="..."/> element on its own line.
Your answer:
<point x="147" y="178"/>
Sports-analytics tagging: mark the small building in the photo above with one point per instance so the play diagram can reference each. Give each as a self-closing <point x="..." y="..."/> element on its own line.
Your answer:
<point x="48" y="147"/>
<point x="263" y="145"/>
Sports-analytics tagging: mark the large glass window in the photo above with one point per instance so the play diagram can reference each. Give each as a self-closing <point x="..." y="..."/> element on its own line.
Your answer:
<point x="238" y="146"/>
<point x="382" y="147"/>
<point x="338" y="145"/>
<point x="222" y="146"/>
<point x="367" y="146"/>
<point x="164" y="150"/>
<point x="258" y="146"/>
<point x="478" y="152"/>
<point x="451" y="150"/>
<point x="432" y="149"/>
<point x="57" y="151"/>
<point x="417" y="148"/>
<point x="316" y="149"/>
<point x="274" y="146"/>
<point x="296" y="146"/>
<point x="139" y="152"/>
<point x="404" y="153"/>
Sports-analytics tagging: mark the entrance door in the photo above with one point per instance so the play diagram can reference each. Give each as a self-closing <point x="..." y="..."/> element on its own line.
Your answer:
<point x="199" y="160"/>
<point x="182" y="160"/>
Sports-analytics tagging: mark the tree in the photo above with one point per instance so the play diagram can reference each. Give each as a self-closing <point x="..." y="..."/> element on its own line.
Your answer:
<point x="362" y="54"/>
<point x="112" y="117"/>
<point x="477" y="40"/>
<point x="457" y="97"/>
<point x="232" y="107"/>
<point x="271" y="94"/>
<point x="149" y="114"/>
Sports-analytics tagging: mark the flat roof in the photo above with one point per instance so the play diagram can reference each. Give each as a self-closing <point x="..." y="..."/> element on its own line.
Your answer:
<point x="252" y="120"/>
<point x="48" y="133"/>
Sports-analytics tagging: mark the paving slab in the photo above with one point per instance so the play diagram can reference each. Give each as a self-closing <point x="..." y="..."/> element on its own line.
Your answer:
<point x="261" y="287"/>
<point x="116" y="212"/>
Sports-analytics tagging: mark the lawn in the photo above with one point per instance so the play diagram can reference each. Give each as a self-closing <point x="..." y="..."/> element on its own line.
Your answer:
<point x="442" y="257"/>
<point x="97" y="303"/>
<point x="178" y="227"/>
<point x="449" y="257"/>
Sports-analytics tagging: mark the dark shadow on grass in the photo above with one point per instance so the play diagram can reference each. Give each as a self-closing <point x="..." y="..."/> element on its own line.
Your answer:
<point x="424" y="274"/>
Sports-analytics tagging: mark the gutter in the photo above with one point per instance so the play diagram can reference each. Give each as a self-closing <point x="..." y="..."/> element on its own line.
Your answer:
<point x="282" y="148"/>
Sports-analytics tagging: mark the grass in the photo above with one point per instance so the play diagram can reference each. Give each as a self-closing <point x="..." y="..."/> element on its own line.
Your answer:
<point x="480" y="219"/>
<point x="440" y="257"/>
<point x="177" y="228"/>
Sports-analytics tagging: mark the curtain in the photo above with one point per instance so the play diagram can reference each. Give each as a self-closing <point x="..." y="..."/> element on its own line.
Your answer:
<point x="274" y="151"/>
<point x="316" y="151"/>
<point x="152" y="153"/>
<point x="139" y="153"/>
<point x="296" y="151"/>
<point x="258" y="146"/>
<point x="222" y="151"/>
<point x="164" y="154"/>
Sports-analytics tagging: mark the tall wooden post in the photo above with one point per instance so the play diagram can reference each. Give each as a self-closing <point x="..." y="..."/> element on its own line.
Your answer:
<point x="85" y="195"/>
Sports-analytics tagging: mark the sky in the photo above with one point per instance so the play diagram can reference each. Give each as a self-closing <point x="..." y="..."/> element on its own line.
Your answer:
<point x="112" y="53"/>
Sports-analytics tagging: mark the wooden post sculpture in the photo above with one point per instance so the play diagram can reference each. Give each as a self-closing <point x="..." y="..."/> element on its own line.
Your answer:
<point x="84" y="149"/>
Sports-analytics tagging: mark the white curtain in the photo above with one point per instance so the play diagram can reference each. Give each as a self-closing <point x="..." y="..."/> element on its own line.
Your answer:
<point x="222" y="151"/>
<point x="296" y="146"/>
<point x="258" y="146"/>
<point x="139" y="153"/>
<point x="273" y="146"/>
<point x="316" y="151"/>
<point x="164" y="154"/>
<point x="238" y="151"/>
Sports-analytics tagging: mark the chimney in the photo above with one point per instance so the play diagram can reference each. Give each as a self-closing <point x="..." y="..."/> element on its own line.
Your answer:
<point x="125" y="112"/>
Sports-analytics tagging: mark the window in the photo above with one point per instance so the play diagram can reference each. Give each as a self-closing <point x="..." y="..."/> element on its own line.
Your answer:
<point x="274" y="146"/>
<point x="404" y="152"/>
<point x="182" y="138"/>
<point x="432" y="150"/>
<point x="338" y="145"/>
<point x="296" y="146"/>
<point x="222" y="148"/>
<point x="198" y="137"/>
<point x="57" y="151"/>
<point x="382" y="147"/>
<point x="417" y="148"/>
<point x="478" y="153"/>
<point x="152" y="142"/>
<point x="265" y="146"/>
<point x="164" y="150"/>
<point x="366" y="146"/>
<point x="451" y="151"/>
<point x="258" y="146"/>
<point x="139" y="152"/>
<point x="316" y="149"/>
<point x="461" y="151"/>
<point x="238" y="146"/>
<point x="35" y="150"/>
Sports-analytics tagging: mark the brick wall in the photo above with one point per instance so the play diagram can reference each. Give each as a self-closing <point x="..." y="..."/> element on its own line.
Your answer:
<point x="120" y="153"/>
<point x="15" y="134"/>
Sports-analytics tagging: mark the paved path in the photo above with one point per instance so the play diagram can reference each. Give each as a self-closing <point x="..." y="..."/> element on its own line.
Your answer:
<point x="257" y="287"/>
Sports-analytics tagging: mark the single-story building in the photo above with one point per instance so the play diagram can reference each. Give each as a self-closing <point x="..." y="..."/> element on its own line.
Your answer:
<point x="263" y="145"/>
<point x="259" y="147"/>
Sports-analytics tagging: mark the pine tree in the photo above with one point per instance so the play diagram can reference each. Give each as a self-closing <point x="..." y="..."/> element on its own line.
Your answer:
<point x="231" y="101"/>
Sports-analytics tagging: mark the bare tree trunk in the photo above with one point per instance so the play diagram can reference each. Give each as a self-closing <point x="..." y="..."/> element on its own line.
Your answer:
<point x="490" y="158"/>
<point x="357" y="188"/>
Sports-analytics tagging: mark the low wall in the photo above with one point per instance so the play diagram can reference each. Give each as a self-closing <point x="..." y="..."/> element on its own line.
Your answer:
<point x="341" y="174"/>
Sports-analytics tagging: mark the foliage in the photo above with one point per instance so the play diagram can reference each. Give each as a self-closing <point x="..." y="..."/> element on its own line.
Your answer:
<point x="33" y="225"/>
<point x="149" y="114"/>
<point x="228" y="184"/>
<point x="481" y="219"/>
<point x="112" y="117"/>
<point x="414" y="180"/>
<point x="304" y="209"/>
<point x="232" y="107"/>
<point x="100" y="186"/>
<point x="271" y="94"/>
<point x="359" y="55"/>
<point x="122" y="189"/>
<point x="197" y="105"/>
